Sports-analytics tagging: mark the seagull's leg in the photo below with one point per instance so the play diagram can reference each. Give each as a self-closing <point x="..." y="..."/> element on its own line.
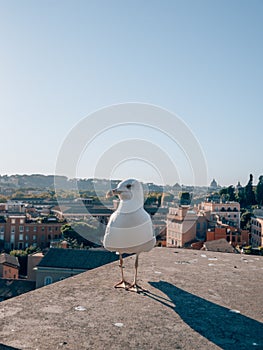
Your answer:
<point x="122" y="284"/>
<point x="134" y="287"/>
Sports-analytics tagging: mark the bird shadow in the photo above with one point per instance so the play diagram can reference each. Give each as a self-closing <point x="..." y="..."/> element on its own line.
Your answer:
<point x="226" y="328"/>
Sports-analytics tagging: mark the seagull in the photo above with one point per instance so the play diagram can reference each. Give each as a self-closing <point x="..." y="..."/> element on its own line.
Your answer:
<point x="129" y="229"/>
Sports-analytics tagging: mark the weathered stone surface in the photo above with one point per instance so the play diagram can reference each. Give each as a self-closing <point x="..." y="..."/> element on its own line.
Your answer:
<point x="196" y="300"/>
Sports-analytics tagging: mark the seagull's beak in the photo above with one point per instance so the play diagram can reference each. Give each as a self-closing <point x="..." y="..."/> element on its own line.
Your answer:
<point x="113" y="192"/>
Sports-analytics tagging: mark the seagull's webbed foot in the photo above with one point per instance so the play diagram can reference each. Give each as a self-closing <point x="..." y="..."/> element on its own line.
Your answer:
<point x="134" y="287"/>
<point x="122" y="284"/>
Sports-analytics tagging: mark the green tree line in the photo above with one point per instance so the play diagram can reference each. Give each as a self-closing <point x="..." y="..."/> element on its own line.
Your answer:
<point x="247" y="196"/>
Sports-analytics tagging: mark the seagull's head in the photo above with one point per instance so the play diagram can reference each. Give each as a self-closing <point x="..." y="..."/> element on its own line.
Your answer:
<point x="129" y="189"/>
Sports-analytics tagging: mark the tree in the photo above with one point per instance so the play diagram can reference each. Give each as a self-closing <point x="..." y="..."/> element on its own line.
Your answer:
<point x="153" y="198"/>
<point x="185" y="198"/>
<point x="241" y="197"/>
<point x="81" y="234"/>
<point x="3" y="199"/>
<point x="259" y="190"/>
<point x="245" y="220"/>
<point x="231" y="193"/>
<point x="228" y="193"/>
<point x="2" y="219"/>
<point x="249" y="193"/>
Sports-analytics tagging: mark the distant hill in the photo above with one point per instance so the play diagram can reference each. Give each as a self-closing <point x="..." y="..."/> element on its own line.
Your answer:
<point x="48" y="182"/>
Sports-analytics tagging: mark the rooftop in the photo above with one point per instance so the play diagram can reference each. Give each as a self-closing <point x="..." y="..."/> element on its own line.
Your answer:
<point x="77" y="258"/>
<point x="196" y="300"/>
<point x="9" y="260"/>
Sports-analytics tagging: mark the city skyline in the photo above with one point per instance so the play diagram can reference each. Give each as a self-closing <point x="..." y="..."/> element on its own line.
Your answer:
<point x="213" y="183"/>
<point x="61" y="61"/>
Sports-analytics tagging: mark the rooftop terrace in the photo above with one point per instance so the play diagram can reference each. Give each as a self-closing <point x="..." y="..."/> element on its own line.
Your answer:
<point x="196" y="300"/>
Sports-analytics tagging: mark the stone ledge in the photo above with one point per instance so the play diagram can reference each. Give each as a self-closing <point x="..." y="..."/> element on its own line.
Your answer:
<point x="196" y="300"/>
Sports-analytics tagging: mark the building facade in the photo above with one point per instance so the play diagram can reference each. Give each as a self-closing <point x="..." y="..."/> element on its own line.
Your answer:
<point x="181" y="226"/>
<point x="227" y="213"/>
<point x="9" y="266"/>
<point x="257" y="231"/>
<point x="232" y="235"/>
<point x="18" y="233"/>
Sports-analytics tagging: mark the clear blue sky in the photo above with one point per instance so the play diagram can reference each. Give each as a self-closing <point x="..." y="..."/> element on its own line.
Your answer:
<point x="62" y="60"/>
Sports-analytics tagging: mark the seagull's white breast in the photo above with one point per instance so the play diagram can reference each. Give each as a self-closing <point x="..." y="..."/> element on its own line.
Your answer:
<point x="126" y="230"/>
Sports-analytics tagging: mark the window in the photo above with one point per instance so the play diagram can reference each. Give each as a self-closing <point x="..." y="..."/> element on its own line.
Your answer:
<point x="21" y="228"/>
<point x="12" y="238"/>
<point x="27" y="228"/>
<point x="34" y="237"/>
<point x="2" y="236"/>
<point x="21" y="237"/>
<point x="26" y="237"/>
<point x="13" y="229"/>
<point x="22" y="221"/>
<point x="43" y="228"/>
<point x="2" y="229"/>
<point x="48" y="280"/>
<point x="35" y="229"/>
<point x="13" y="221"/>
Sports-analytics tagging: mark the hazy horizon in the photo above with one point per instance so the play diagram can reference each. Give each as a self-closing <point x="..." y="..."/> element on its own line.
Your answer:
<point x="141" y="180"/>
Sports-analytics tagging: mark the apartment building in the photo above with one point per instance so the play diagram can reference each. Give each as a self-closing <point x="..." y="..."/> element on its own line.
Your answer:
<point x="18" y="233"/>
<point x="211" y="220"/>
<point x="226" y="212"/>
<point x="181" y="226"/>
<point x="9" y="266"/>
<point x="257" y="231"/>
<point x="231" y="234"/>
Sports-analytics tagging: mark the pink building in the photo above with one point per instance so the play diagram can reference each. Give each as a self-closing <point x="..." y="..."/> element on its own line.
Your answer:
<point x="181" y="226"/>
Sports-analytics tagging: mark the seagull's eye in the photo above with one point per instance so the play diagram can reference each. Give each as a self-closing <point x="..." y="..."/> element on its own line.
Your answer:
<point x="128" y="186"/>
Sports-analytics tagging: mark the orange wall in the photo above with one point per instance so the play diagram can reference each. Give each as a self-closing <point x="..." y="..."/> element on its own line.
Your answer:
<point x="10" y="272"/>
<point x="220" y="232"/>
